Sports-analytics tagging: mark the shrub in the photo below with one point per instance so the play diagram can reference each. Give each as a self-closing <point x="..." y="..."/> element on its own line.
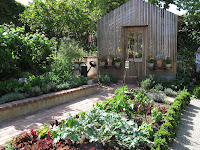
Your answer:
<point x="159" y="87"/>
<point x="49" y="87"/>
<point x="71" y="49"/>
<point x="148" y="128"/>
<point x="156" y="96"/>
<point x="12" y="97"/>
<point x="157" y="115"/>
<point x="106" y="79"/>
<point x="147" y="84"/>
<point x="196" y="91"/>
<point x="35" y="91"/>
<point x="169" y="128"/>
<point x="170" y="92"/>
<point x="22" y="52"/>
<point x="63" y="86"/>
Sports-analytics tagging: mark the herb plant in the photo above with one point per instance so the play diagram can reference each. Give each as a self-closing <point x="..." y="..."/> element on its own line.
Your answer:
<point x="157" y="115"/>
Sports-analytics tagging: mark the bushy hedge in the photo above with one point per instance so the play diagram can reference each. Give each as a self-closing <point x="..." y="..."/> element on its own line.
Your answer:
<point x="196" y="91"/>
<point x="21" y="51"/>
<point x="168" y="129"/>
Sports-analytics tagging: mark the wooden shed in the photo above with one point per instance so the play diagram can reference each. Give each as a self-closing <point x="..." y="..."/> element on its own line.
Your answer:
<point x="139" y="28"/>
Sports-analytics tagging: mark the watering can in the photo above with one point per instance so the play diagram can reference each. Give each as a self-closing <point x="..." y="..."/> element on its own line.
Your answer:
<point x="84" y="70"/>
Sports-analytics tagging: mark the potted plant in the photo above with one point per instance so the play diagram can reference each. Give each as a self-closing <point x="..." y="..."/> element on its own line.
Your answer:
<point x="130" y="53"/>
<point x="159" y="58"/>
<point x="138" y="57"/>
<point x="103" y="61"/>
<point x="110" y="60"/>
<point x="168" y="62"/>
<point x="117" y="62"/>
<point x="150" y="63"/>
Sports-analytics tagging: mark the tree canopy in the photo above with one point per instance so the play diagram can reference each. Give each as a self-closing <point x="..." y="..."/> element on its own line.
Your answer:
<point x="9" y="11"/>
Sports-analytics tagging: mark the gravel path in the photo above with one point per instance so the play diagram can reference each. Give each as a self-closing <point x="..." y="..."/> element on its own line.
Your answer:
<point x="188" y="135"/>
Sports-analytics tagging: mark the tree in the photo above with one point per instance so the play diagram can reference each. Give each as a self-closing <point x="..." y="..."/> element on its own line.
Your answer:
<point x="9" y="11"/>
<point x="58" y="19"/>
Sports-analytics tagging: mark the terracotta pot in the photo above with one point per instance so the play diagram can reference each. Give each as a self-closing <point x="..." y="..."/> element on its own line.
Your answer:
<point x="110" y="61"/>
<point x="159" y="62"/>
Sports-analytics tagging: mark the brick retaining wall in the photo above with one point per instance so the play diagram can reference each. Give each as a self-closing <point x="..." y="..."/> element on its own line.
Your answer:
<point x="30" y="105"/>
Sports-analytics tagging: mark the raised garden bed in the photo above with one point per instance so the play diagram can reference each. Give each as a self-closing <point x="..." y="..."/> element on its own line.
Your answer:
<point x="30" y="105"/>
<point x="115" y="124"/>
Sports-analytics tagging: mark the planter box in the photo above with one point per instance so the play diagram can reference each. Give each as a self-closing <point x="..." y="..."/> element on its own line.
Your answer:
<point x="34" y="104"/>
<point x="137" y="59"/>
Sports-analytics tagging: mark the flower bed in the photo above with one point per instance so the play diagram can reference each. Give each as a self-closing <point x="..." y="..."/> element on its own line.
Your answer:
<point x="128" y="121"/>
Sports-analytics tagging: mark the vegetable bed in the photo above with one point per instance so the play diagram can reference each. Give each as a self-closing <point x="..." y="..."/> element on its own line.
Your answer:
<point x="128" y="121"/>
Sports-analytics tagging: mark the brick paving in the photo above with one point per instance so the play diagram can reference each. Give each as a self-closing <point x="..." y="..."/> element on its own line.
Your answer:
<point x="16" y="126"/>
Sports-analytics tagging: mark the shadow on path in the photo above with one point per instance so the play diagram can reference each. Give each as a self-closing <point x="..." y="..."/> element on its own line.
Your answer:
<point x="188" y="135"/>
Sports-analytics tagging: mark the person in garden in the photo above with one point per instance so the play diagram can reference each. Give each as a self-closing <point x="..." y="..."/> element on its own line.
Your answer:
<point x="198" y="60"/>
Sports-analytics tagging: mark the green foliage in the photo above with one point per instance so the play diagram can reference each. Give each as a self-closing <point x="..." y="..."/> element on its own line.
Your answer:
<point x="134" y="102"/>
<point x="170" y="92"/>
<point x="60" y="18"/>
<point x="159" y="87"/>
<point x="10" y="146"/>
<point x="196" y="91"/>
<point x="147" y="83"/>
<point x="71" y="49"/>
<point x="153" y="82"/>
<point x="63" y="86"/>
<point x="22" y="52"/>
<point x="106" y="79"/>
<point x="157" y="115"/>
<point x="35" y="91"/>
<point x="12" y="97"/>
<point x="100" y="126"/>
<point x="169" y="128"/>
<point x="42" y="133"/>
<point x="156" y="96"/>
<point x="148" y="128"/>
<point x="49" y="87"/>
<point x="160" y="144"/>
<point x="9" y="11"/>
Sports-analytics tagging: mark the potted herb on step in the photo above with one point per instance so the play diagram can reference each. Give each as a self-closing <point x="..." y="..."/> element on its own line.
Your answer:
<point x="151" y="63"/>
<point x="159" y="58"/>
<point x="168" y="62"/>
<point x="110" y="60"/>
<point x="103" y="61"/>
<point x="117" y="61"/>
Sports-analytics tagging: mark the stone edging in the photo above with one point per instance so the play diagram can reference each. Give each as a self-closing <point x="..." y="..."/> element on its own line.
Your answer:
<point x="30" y="105"/>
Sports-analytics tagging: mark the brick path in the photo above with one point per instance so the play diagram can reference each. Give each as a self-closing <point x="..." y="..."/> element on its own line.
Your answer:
<point x="16" y="126"/>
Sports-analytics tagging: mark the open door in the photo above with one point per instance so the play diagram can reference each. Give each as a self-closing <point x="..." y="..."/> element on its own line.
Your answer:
<point x="134" y="52"/>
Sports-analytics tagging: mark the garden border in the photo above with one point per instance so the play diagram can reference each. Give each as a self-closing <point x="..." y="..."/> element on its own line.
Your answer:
<point x="33" y="104"/>
<point x="169" y="128"/>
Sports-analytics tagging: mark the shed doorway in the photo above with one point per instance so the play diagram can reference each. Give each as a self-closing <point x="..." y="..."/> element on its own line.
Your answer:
<point x="134" y="52"/>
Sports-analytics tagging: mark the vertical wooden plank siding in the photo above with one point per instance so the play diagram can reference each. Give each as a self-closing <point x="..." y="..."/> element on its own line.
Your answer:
<point x="161" y="28"/>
